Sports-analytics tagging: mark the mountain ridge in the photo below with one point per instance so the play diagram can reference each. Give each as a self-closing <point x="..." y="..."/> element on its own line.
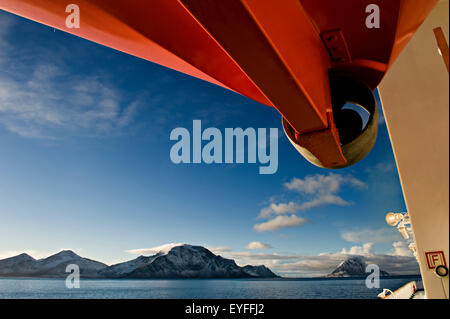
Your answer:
<point x="180" y="261"/>
<point x="183" y="261"/>
<point x="353" y="266"/>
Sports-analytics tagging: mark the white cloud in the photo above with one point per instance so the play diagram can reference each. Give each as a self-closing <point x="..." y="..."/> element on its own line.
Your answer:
<point x="154" y="250"/>
<point x="400" y="248"/>
<point x="326" y="199"/>
<point x="278" y="209"/>
<point x="270" y="260"/>
<point x="324" y="263"/>
<point x="381" y="235"/>
<point x="218" y="250"/>
<point x="6" y="23"/>
<point x="323" y="184"/>
<point x="261" y="256"/>
<point x="317" y="190"/>
<point x="381" y="118"/>
<point x="310" y="266"/>
<point x="293" y="265"/>
<point x="49" y="103"/>
<point x="281" y="222"/>
<point x="257" y="245"/>
<point x="385" y="167"/>
<point x="42" y="96"/>
<point x="322" y="189"/>
<point x="363" y="250"/>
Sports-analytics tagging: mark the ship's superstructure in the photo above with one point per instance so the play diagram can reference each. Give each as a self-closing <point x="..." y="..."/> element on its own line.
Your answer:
<point x="415" y="98"/>
<point x="308" y="59"/>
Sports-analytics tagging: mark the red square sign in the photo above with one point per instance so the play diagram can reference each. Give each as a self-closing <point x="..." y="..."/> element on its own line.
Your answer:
<point x="435" y="258"/>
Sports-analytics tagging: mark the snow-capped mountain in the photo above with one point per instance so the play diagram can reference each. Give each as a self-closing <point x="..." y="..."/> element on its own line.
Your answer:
<point x="20" y="264"/>
<point x="259" y="271"/>
<point x="353" y="267"/>
<point x="55" y="265"/>
<point x="52" y="266"/>
<point x="123" y="269"/>
<point x="186" y="261"/>
<point x="181" y="261"/>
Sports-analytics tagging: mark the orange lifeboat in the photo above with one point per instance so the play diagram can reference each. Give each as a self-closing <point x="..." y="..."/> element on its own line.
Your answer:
<point x="306" y="58"/>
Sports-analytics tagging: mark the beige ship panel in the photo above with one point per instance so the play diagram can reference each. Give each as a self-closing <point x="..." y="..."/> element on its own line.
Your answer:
<point x="415" y="96"/>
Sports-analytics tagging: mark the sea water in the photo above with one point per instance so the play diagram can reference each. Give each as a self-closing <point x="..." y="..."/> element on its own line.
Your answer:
<point x="196" y="288"/>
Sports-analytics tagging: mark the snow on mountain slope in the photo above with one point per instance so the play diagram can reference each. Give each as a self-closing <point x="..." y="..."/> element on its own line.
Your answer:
<point x="176" y="261"/>
<point x="55" y="265"/>
<point x="259" y="271"/>
<point x="187" y="261"/>
<point x="52" y="266"/>
<point x="18" y="264"/>
<point x="122" y="269"/>
<point x="353" y="267"/>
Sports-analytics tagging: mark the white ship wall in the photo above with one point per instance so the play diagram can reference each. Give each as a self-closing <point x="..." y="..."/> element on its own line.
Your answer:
<point x="415" y="96"/>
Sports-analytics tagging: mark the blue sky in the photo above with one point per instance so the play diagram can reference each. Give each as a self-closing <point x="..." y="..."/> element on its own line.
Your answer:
<point x="84" y="137"/>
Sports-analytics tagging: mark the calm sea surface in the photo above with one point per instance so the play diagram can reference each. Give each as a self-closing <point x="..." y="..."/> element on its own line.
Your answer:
<point x="195" y="288"/>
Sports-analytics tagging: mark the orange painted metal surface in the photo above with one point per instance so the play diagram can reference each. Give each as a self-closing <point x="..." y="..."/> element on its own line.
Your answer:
<point x="278" y="52"/>
<point x="160" y="31"/>
<point x="442" y="45"/>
